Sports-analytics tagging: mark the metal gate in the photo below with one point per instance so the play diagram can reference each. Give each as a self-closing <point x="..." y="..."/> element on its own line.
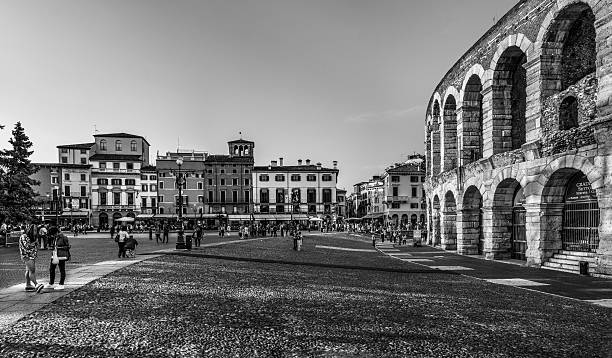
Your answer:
<point x="480" y="234"/>
<point x="519" y="234"/>
<point x="580" y="226"/>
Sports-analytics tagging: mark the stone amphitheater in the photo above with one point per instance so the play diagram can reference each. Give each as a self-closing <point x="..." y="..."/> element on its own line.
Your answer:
<point x="519" y="141"/>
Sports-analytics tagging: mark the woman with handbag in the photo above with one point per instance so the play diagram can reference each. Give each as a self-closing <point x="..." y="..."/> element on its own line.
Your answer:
<point x="121" y="238"/>
<point x="28" y="250"/>
<point x="61" y="254"/>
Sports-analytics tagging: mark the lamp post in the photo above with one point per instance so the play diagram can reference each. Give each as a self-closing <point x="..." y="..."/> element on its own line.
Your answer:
<point x="180" y="241"/>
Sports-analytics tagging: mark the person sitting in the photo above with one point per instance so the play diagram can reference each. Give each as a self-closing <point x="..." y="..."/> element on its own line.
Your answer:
<point x="130" y="247"/>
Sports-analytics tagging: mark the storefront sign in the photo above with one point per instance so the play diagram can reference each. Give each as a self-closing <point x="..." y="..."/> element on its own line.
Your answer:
<point x="579" y="189"/>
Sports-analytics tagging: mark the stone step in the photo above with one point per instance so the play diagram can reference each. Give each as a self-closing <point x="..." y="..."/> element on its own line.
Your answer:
<point x="577" y="253"/>
<point x="591" y="260"/>
<point x="573" y="268"/>
<point x="559" y="260"/>
<point x="553" y="266"/>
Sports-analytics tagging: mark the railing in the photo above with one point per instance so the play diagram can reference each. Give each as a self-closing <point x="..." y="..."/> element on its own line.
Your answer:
<point x="581" y="227"/>
<point x="117" y="207"/>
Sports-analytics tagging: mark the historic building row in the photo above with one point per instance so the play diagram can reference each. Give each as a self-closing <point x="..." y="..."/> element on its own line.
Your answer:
<point x="519" y="154"/>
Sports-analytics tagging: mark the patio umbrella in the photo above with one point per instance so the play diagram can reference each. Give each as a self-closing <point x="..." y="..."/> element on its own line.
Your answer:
<point x="125" y="219"/>
<point x="315" y="219"/>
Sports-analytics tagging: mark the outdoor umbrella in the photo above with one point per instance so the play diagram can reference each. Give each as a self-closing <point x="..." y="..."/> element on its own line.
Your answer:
<point x="315" y="219"/>
<point x="125" y="219"/>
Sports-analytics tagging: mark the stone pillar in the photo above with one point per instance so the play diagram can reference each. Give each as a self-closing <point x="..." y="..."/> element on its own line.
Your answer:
<point x="435" y="151"/>
<point x="551" y="224"/>
<point x="436" y="234"/>
<point x="449" y="230"/>
<point x="501" y="233"/>
<point x="487" y="230"/>
<point x="532" y="229"/>
<point x="487" y="120"/>
<point x="603" y="29"/>
<point x="604" y="198"/>
<point x="469" y="231"/>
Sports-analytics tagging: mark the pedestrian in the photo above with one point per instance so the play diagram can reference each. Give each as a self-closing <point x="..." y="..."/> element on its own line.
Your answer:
<point x="151" y="232"/>
<point x="166" y="234"/>
<point x="42" y="237"/>
<point x="157" y="234"/>
<point x="198" y="235"/>
<point x="130" y="246"/>
<point x="61" y="254"/>
<point x="28" y="249"/>
<point x="121" y="238"/>
<point x="112" y="231"/>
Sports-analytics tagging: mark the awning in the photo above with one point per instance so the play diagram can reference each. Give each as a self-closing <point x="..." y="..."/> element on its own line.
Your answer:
<point x="74" y="214"/>
<point x="264" y="217"/>
<point x="165" y="216"/>
<point x="211" y="216"/>
<point x="300" y="217"/>
<point x="374" y="216"/>
<point x="144" y="216"/>
<point x="241" y="217"/>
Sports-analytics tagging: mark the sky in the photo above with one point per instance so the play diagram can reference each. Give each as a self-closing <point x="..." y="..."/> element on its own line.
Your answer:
<point x="345" y="80"/>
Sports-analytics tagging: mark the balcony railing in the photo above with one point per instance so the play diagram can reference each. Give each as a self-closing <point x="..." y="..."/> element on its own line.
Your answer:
<point x="117" y="207"/>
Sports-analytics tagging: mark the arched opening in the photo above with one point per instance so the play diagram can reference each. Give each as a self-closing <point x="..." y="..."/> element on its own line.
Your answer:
<point x="394" y="220"/>
<point x="235" y="150"/>
<point x="472" y="238"/>
<point x="437" y="235"/>
<point x="131" y="215"/>
<point x="449" y="234"/>
<point x="240" y="150"/>
<point x="568" y="113"/>
<point x="413" y="220"/>
<point x="570" y="203"/>
<point x="246" y="150"/>
<point x="509" y="100"/>
<point x="422" y="220"/>
<point x="508" y="236"/>
<point x="450" y="134"/>
<point x="405" y="219"/>
<point x="472" y="121"/>
<point x="435" y="140"/>
<point x="428" y="147"/>
<point x="116" y="216"/>
<point x="103" y="220"/>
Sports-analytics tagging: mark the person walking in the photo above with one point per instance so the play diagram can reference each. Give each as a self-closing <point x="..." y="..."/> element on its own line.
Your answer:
<point x="166" y="234"/>
<point x="157" y="234"/>
<point x="61" y="254"/>
<point x="122" y="237"/>
<point x="198" y="235"/>
<point x="42" y="237"/>
<point x="28" y="250"/>
<point x="112" y="231"/>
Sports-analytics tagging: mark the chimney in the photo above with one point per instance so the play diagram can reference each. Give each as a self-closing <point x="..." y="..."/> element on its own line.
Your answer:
<point x="299" y="161"/>
<point x="318" y="166"/>
<point x="273" y="163"/>
<point x="307" y="161"/>
<point x="280" y="161"/>
<point x="335" y="162"/>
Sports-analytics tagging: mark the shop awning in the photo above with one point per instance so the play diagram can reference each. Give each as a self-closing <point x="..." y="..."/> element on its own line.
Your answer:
<point x="164" y="216"/>
<point x="144" y="216"/>
<point x="374" y="216"/>
<point x="264" y="217"/>
<point x="212" y="216"/>
<point x="239" y="217"/>
<point x="74" y="214"/>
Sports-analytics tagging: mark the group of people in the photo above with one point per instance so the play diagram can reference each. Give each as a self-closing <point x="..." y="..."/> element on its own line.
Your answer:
<point x="29" y="242"/>
<point x="126" y="243"/>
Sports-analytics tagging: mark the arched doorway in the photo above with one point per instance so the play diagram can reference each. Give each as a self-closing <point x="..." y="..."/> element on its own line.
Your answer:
<point x="116" y="216"/>
<point x="405" y="219"/>
<point x="437" y="235"/>
<point x="413" y="220"/>
<point x="103" y="220"/>
<point x="449" y="234"/>
<point x="569" y="203"/>
<point x="508" y="234"/>
<point x="509" y="100"/>
<point x="472" y="238"/>
<point x="394" y="220"/>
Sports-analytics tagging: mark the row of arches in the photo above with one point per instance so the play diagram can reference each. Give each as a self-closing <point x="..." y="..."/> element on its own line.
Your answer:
<point x="497" y="223"/>
<point x="491" y="113"/>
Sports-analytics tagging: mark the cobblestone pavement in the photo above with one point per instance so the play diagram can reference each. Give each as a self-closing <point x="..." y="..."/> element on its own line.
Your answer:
<point x="242" y="304"/>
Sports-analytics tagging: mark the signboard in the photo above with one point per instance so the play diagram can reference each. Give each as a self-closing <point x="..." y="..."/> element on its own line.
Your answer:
<point x="579" y="189"/>
<point x="75" y="203"/>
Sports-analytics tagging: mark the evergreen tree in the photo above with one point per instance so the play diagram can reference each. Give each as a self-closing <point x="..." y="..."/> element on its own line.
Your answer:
<point x="16" y="169"/>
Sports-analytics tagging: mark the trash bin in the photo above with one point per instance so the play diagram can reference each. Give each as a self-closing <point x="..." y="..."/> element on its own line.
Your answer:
<point x="584" y="267"/>
<point x="188" y="241"/>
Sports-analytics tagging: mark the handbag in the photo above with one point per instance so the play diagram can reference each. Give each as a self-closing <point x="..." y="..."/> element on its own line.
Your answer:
<point x="117" y="238"/>
<point x="54" y="258"/>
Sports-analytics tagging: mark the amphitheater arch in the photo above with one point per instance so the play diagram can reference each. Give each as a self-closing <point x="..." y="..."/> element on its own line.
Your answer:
<point x="436" y="154"/>
<point x="470" y="240"/>
<point x="470" y="136"/>
<point x="508" y="234"/>
<point x="449" y="130"/>
<point x="449" y="226"/>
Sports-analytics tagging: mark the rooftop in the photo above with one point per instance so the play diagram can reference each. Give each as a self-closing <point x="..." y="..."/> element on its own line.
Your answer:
<point x="77" y="146"/>
<point x="121" y="135"/>
<point x="124" y="157"/>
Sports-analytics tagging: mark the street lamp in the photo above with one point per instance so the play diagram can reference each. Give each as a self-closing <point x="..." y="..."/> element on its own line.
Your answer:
<point x="180" y="241"/>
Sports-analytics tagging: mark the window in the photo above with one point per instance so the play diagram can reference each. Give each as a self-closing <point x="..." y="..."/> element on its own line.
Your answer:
<point x="67" y="190"/>
<point x="144" y="202"/>
<point x="264" y="196"/>
<point x="280" y="195"/>
<point x="145" y="187"/>
<point x="210" y="196"/>
<point x="115" y="181"/>
<point x="279" y="177"/>
<point x="280" y="208"/>
<point x="395" y="179"/>
<point x="422" y="179"/>
<point x="327" y="195"/>
<point x="102" y="144"/>
<point x="414" y="205"/>
<point x="200" y="185"/>
<point x="234" y="181"/>
<point x="83" y="177"/>
<point x="311" y="196"/>
<point x="118" y="145"/>
<point x="234" y="171"/>
<point x="223" y="196"/>
<point x="133" y="146"/>
<point x="102" y="165"/>
<point x="161" y="184"/>
<point x="326" y="177"/>
<point x="83" y="151"/>
<point x="414" y="192"/>
<point x="246" y="171"/>
<point x="53" y="180"/>
<point x="103" y="198"/>
<point x="129" y="166"/>
<point x="395" y="205"/>
<point x="312" y="209"/>
<point x="414" y="179"/>
<point x="568" y="113"/>
<point x="130" y="181"/>
<point x="264" y="209"/>
<point x="161" y="210"/>
<point x="153" y="202"/>
<point x="395" y="191"/>
<point x="116" y="166"/>
<point x="296" y="196"/>
<point x="200" y="199"/>
<point x="264" y="177"/>
<point x="209" y="171"/>
<point x="222" y="181"/>
<point x="210" y="182"/>
<point x="67" y="176"/>
<point x="63" y="150"/>
<point x="153" y="177"/>
<point x="130" y="198"/>
<point x="116" y="198"/>
<point x="102" y="181"/>
<point x="83" y="160"/>
<point x="423" y="193"/>
<point x="247" y="196"/>
<point x="222" y="171"/>
<point x="143" y="177"/>
<point x="246" y="182"/>
<point x="235" y="196"/>
<point x="83" y="191"/>
<point x="296" y="177"/>
<point x="153" y="187"/>
<point x="64" y="160"/>
<point x="161" y="199"/>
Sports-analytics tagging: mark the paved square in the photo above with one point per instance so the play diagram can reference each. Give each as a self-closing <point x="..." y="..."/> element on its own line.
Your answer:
<point x="519" y="282"/>
<point x="452" y="268"/>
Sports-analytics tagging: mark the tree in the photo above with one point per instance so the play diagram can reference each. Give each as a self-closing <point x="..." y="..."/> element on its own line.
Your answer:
<point x="16" y="169"/>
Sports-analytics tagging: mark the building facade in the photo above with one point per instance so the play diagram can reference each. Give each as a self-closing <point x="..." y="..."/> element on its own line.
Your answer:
<point x="192" y="191"/>
<point x="404" y="196"/>
<point x="116" y="161"/>
<point x="148" y="192"/>
<point x="295" y="192"/>
<point x="519" y="153"/>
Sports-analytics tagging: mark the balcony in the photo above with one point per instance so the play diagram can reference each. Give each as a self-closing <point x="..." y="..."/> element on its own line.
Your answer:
<point x="116" y="207"/>
<point x="112" y="170"/>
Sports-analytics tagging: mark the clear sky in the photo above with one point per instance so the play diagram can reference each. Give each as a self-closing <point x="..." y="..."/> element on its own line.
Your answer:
<point x="344" y="80"/>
